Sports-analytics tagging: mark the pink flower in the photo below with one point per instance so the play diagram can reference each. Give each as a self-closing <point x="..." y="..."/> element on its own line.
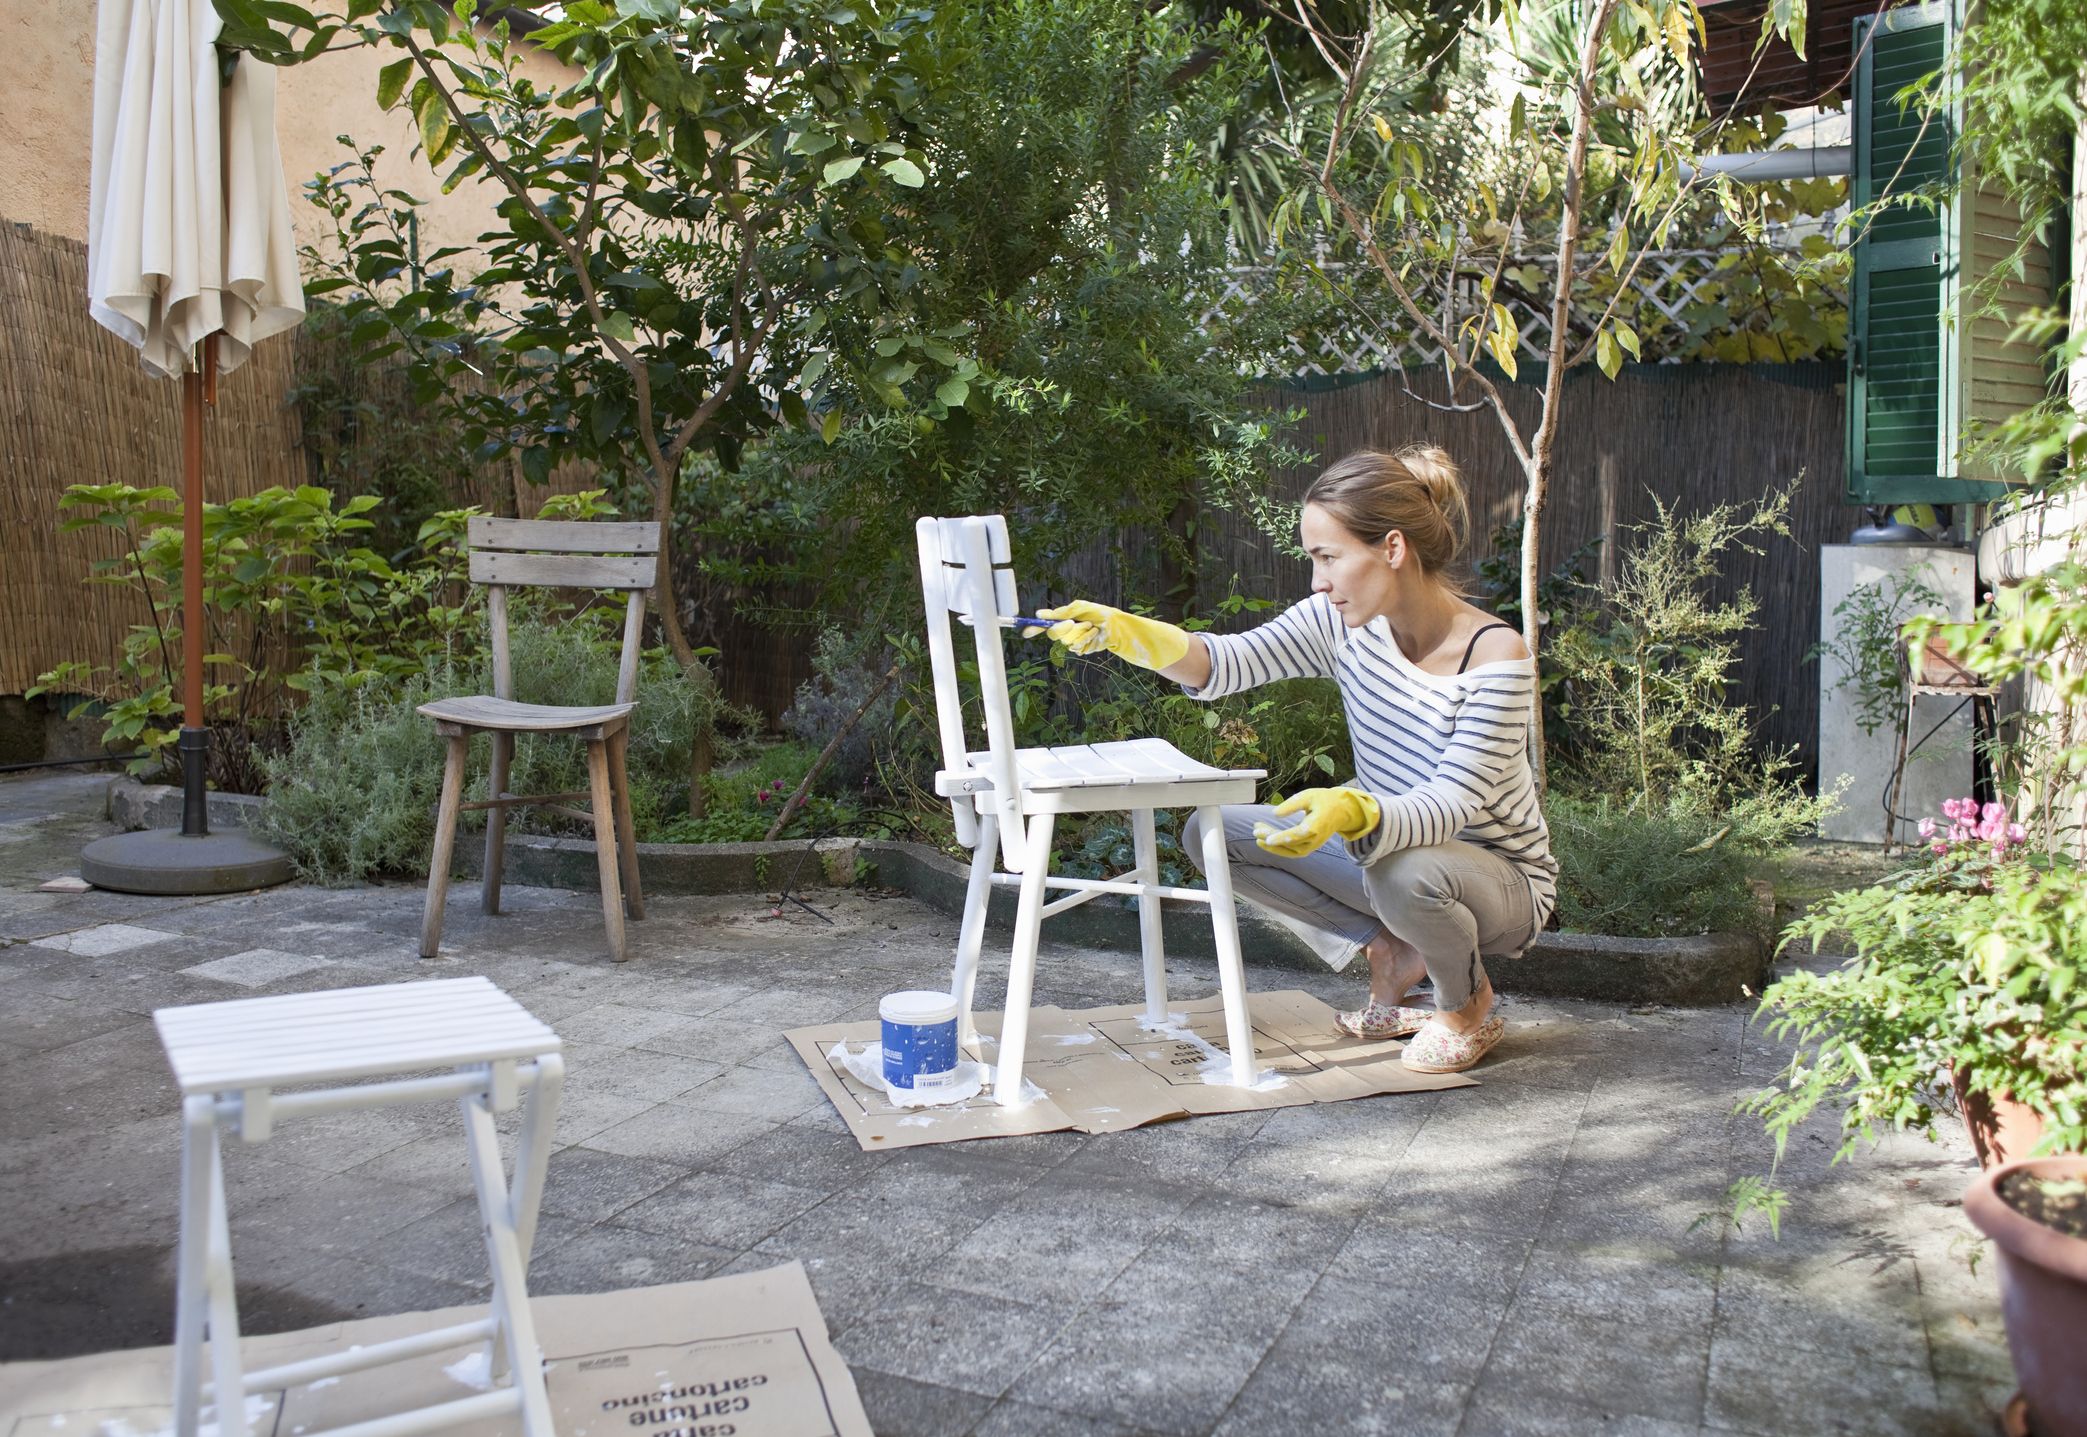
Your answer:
<point x="2016" y="833"/>
<point x="1940" y="848"/>
<point x="1995" y="813"/>
<point x="1927" y="828"/>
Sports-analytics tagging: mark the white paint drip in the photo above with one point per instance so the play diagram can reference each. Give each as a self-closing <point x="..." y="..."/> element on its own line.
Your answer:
<point x="1216" y="1067"/>
<point x="1072" y="1040"/>
<point x="322" y="1382"/>
<point x="917" y="1120"/>
<point x="473" y="1370"/>
<point x="867" y="1068"/>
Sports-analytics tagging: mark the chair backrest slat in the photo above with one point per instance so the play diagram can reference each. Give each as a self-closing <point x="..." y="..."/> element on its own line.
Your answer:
<point x="564" y="571"/>
<point x="565" y="554"/>
<point x="565" y="536"/>
<point x="964" y="566"/>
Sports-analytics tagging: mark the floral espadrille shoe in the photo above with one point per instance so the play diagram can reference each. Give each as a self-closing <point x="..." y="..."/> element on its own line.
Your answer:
<point x="1438" y="1050"/>
<point x="1382" y="1020"/>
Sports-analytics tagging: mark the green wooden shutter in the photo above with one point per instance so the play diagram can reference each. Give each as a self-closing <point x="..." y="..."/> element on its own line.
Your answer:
<point x="1927" y="367"/>
<point x="1898" y="341"/>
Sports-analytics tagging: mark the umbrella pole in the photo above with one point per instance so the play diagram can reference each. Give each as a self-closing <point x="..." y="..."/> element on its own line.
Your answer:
<point x="194" y="744"/>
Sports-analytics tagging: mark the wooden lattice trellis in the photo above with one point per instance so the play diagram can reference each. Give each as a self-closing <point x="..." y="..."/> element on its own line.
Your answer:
<point x="1667" y="284"/>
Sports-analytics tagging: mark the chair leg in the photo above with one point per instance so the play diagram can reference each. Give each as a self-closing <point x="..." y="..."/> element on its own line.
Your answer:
<point x="1151" y="943"/>
<point x="626" y="827"/>
<point x="978" y="897"/>
<point x="1224" y="925"/>
<point x="510" y="1267"/>
<point x="605" y="844"/>
<point x="496" y="824"/>
<point x="445" y="844"/>
<point x="1021" y="968"/>
<point x="192" y="1279"/>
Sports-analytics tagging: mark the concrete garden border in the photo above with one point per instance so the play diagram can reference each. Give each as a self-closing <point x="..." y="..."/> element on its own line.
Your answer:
<point x="1690" y="972"/>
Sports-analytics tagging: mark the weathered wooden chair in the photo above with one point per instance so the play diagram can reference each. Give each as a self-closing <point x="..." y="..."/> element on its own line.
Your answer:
<point x="544" y="553"/>
<point x="1006" y="801"/>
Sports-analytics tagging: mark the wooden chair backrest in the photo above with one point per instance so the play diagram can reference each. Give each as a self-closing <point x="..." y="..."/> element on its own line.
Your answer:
<point x="966" y="575"/>
<point x="564" y="554"/>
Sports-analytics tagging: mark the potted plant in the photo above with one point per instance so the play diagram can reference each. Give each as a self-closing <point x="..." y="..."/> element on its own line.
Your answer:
<point x="1965" y="976"/>
<point x="2036" y="1214"/>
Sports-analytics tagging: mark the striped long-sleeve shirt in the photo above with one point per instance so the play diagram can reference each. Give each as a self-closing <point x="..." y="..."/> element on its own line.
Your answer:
<point x="1444" y="755"/>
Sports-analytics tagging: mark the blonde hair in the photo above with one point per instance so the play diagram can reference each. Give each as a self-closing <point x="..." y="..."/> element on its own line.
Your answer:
<point x="1416" y="491"/>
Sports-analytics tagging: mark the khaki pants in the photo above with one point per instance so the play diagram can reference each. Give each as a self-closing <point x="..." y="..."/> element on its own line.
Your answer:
<point x="1456" y="902"/>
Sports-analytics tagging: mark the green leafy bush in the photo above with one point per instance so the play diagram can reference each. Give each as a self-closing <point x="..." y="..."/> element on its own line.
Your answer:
<point x="741" y="804"/>
<point x="1968" y="965"/>
<point x="353" y="795"/>
<point x="1635" y="874"/>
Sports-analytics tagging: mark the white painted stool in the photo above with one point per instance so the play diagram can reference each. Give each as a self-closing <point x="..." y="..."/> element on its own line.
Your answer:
<point x="230" y="1058"/>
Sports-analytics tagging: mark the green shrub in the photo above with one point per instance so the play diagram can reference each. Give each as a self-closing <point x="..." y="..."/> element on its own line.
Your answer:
<point x="353" y="796"/>
<point x="1649" y="875"/>
<point x="741" y="804"/>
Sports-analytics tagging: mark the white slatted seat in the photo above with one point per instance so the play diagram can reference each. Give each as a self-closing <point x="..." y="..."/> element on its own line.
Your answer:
<point x="373" y="1047"/>
<point x="1006" y="802"/>
<point x="547" y="553"/>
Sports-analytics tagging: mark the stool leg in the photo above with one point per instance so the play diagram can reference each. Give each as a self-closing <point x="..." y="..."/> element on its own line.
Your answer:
<point x="626" y="828"/>
<point x="1224" y="926"/>
<point x="445" y="842"/>
<point x="605" y="844"/>
<point x="1151" y="944"/>
<point x="978" y="898"/>
<point x="224" y="1308"/>
<point x="504" y="1252"/>
<point x="192" y="1282"/>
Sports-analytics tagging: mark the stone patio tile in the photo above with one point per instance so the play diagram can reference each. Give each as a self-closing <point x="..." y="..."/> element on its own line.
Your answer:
<point x="632" y="1073"/>
<point x="674" y="1134"/>
<point x="778" y="1097"/>
<point x="344" y="1288"/>
<point x="51" y="1098"/>
<point x="1639" y="1368"/>
<point x="1482" y="1191"/>
<point x="608" y="1258"/>
<point x="30" y="1021"/>
<point x="901" y="1407"/>
<point x="616" y="1025"/>
<point x="1191" y="1152"/>
<point x="972" y="1341"/>
<point x="720" y="1040"/>
<point x="591" y="1186"/>
<point x="1065" y="1237"/>
<point x="1518" y="1414"/>
<point x="822" y="1160"/>
<point x="1339" y="1392"/>
<point x="784" y="1006"/>
<point x="1756" y="1389"/>
<point x="719" y="1209"/>
<point x="449" y="1244"/>
<point x="1022" y="1419"/>
<point x="1243" y="1232"/>
<point x="1166" y="1373"/>
<point x="1836" y="1306"/>
<point x="1406" y="1261"/>
<point x="1621" y="1281"/>
<point x="258" y="967"/>
<point x="342" y="1214"/>
<point x="103" y="939"/>
<point x="336" y="1142"/>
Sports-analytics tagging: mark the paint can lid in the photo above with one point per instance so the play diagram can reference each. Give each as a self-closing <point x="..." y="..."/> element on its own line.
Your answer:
<point x="919" y="1008"/>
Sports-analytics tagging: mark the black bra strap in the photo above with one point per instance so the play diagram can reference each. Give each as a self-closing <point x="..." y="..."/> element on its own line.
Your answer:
<point x="1473" y="645"/>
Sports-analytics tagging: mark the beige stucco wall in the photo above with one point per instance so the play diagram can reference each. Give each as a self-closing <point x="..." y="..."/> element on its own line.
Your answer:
<point x="47" y="118"/>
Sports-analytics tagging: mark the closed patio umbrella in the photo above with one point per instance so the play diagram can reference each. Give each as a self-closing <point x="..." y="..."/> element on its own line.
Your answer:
<point x="190" y="258"/>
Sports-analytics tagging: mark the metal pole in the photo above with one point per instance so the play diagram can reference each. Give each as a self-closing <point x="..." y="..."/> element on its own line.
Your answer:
<point x="194" y="744"/>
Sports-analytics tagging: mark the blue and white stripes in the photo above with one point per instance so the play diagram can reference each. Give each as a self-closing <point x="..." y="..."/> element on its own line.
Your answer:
<point x="1445" y="755"/>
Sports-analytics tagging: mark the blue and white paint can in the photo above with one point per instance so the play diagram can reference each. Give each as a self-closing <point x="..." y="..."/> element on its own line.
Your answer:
<point x="920" y="1039"/>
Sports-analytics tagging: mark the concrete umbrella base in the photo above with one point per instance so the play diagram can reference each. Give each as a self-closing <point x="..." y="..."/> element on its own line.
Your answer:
<point x="165" y="861"/>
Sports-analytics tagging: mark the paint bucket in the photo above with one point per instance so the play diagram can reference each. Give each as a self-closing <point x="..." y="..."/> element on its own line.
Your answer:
<point x="920" y="1039"/>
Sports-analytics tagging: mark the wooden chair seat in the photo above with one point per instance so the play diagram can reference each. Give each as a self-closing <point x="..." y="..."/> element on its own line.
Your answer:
<point x="485" y="713"/>
<point x="1104" y="777"/>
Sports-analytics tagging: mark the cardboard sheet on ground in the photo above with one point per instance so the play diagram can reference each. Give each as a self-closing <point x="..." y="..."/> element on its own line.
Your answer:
<point x="747" y="1354"/>
<point x="1101" y="1069"/>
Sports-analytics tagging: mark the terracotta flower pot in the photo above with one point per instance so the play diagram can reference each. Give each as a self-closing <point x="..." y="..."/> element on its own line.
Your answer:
<point x="2002" y="1130"/>
<point x="2043" y="1297"/>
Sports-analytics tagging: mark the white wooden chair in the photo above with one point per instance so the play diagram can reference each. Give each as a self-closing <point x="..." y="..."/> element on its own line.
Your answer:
<point x="1007" y="801"/>
<point x="371" y="1047"/>
<point x="547" y="553"/>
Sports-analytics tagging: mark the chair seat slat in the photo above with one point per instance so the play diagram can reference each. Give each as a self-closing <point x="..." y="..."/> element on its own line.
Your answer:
<point x="511" y="716"/>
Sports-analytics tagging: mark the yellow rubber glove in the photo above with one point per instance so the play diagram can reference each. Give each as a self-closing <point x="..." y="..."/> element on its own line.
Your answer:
<point x="1086" y="628"/>
<point x="1347" y="811"/>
